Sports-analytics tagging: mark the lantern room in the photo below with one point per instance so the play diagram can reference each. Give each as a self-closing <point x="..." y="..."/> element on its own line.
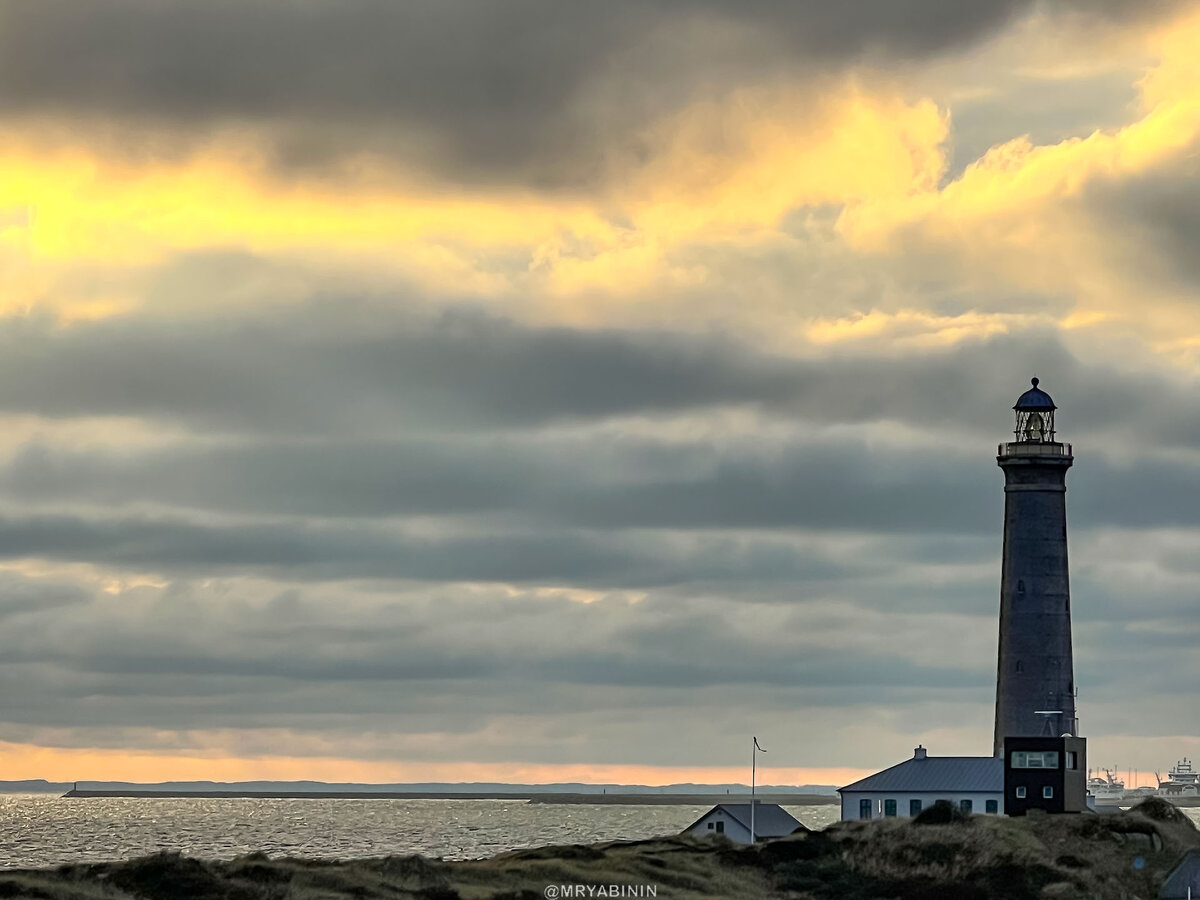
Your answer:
<point x="1035" y="416"/>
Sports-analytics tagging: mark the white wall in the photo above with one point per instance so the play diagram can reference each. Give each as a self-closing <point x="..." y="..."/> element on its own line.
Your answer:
<point x="978" y="800"/>
<point x="734" y="830"/>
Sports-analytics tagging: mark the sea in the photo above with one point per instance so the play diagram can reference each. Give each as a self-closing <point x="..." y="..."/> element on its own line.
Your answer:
<point x="38" y="830"/>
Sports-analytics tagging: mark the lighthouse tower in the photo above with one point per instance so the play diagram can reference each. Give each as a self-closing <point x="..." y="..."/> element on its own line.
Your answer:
<point x="1035" y="684"/>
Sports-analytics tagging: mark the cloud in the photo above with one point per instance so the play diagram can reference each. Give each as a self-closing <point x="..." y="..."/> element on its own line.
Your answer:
<point x="534" y="381"/>
<point x="1023" y="214"/>
<point x="474" y="88"/>
<point x="384" y="369"/>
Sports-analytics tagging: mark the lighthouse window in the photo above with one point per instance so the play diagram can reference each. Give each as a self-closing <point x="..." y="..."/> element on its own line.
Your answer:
<point x="1071" y="759"/>
<point x="1020" y="586"/>
<point x="1020" y="667"/>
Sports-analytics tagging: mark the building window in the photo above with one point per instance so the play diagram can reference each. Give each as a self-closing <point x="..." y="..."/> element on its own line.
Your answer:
<point x="889" y="807"/>
<point x="710" y="826"/>
<point x="914" y="807"/>
<point x="1035" y="759"/>
<point x="1047" y="792"/>
<point x="1020" y="668"/>
<point x="1020" y="793"/>
<point x="864" y="809"/>
<point x="965" y="805"/>
<point x="1072" y="762"/>
<point x="992" y="806"/>
<point x="720" y="828"/>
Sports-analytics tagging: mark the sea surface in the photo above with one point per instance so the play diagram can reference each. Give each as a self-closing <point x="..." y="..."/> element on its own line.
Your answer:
<point x="47" y="830"/>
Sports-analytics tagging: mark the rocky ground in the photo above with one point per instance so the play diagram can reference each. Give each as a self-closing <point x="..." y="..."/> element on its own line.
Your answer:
<point x="939" y="856"/>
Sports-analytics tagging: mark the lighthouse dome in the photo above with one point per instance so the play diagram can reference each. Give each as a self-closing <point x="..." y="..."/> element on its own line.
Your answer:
<point x="1034" y="400"/>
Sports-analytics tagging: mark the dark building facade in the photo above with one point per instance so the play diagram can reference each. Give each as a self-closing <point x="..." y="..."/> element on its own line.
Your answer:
<point x="1035" y="682"/>
<point x="1046" y="773"/>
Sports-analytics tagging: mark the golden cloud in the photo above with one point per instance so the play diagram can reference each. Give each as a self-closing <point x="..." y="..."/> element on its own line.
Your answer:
<point x="722" y="169"/>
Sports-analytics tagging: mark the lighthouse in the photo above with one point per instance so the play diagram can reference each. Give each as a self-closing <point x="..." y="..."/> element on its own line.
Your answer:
<point x="1035" y="684"/>
<point x="1038" y="760"/>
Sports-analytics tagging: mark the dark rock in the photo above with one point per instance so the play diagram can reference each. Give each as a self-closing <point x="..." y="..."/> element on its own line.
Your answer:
<point x="942" y="890"/>
<point x="1070" y="861"/>
<point x="814" y="844"/>
<point x="447" y="893"/>
<point x="942" y="813"/>
<point x="19" y="889"/>
<point x="167" y="876"/>
<point x="1161" y="811"/>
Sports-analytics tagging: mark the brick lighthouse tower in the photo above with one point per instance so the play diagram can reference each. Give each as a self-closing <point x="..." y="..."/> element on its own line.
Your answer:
<point x="1035" y="684"/>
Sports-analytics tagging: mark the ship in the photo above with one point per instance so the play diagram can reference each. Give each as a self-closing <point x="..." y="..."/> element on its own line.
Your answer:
<point x="1108" y="791"/>
<point x="1182" y="781"/>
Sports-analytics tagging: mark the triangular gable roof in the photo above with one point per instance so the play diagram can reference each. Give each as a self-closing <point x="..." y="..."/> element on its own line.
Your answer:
<point x="937" y="773"/>
<point x="770" y="819"/>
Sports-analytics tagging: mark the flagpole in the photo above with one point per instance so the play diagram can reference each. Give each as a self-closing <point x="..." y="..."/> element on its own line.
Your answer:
<point x="753" y="763"/>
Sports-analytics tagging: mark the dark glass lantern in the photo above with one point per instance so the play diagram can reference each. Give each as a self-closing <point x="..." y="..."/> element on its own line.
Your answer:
<point x="1035" y="416"/>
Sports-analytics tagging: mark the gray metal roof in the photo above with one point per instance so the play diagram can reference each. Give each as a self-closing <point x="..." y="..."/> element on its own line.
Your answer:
<point x="770" y="819"/>
<point x="937" y="773"/>
<point x="1185" y="875"/>
<point x="1035" y="399"/>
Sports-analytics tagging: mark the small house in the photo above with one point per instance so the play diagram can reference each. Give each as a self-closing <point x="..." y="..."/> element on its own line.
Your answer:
<point x="975" y="784"/>
<point x="1046" y="773"/>
<point x="732" y="820"/>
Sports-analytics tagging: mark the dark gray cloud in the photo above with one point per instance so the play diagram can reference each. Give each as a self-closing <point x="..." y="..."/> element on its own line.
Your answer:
<point x="428" y="662"/>
<point x="20" y="595"/>
<point x="1159" y="216"/>
<point x="593" y="482"/>
<point x="588" y="481"/>
<point x="529" y="676"/>
<point x="298" y="551"/>
<point x="358" y="369"/>
<point x="474" y="88"/>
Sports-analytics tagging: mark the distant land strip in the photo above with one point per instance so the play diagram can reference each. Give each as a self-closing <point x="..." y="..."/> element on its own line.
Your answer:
<point x="529" y="796"/>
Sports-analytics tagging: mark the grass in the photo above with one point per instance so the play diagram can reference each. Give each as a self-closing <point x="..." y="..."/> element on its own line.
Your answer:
<point x="1127" y="855"/>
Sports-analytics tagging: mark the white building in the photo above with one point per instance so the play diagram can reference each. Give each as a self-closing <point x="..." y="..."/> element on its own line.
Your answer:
<point x="732" y="820"/>
<point x="975" y="784"/>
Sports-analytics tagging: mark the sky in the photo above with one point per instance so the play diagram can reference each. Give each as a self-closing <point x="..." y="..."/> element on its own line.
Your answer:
<point x="462" y="390"/>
